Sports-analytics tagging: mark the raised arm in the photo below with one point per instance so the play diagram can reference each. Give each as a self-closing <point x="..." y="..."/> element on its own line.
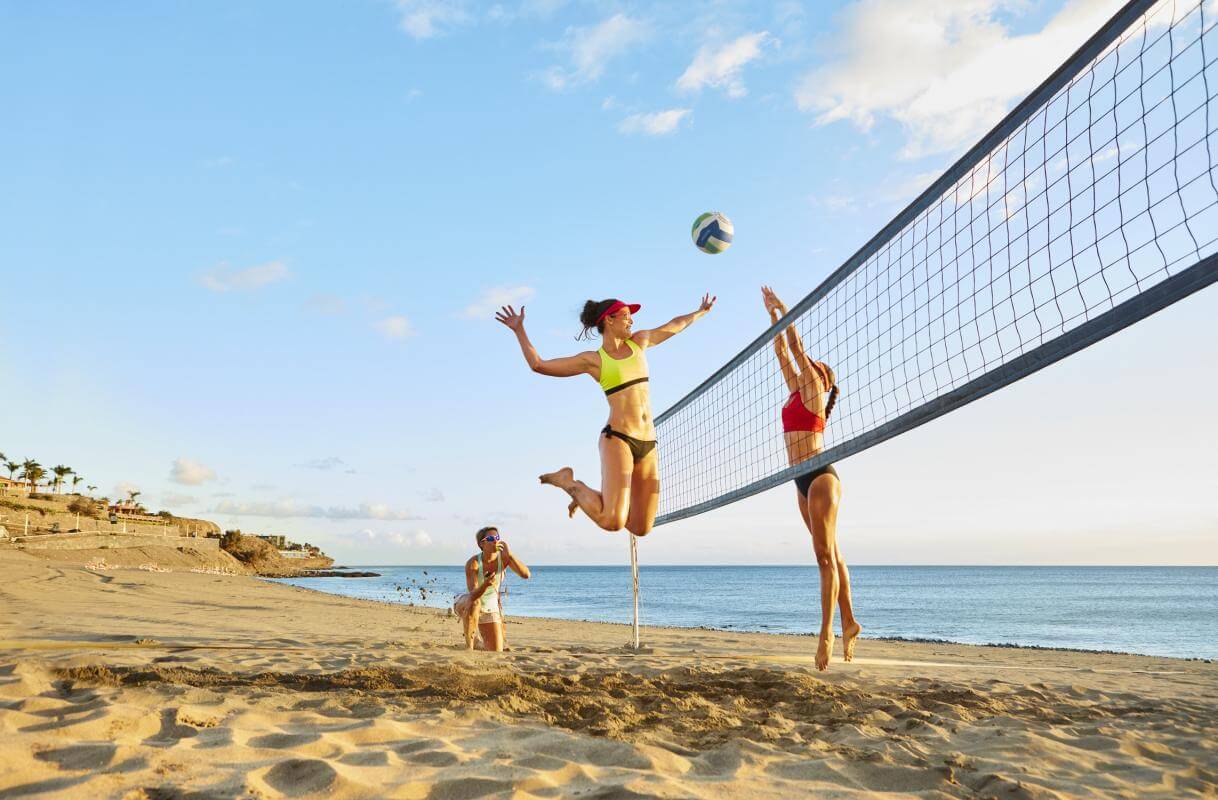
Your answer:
<point x="790" y="373"/>
<point x="584" y="363"/>
<point x="515" y="564"/>
<point x="797" y="344"/>
<point x="652" y="337"/>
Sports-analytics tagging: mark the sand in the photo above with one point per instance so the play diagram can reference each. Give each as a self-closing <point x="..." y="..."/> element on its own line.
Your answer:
<point x="128" y="683"/>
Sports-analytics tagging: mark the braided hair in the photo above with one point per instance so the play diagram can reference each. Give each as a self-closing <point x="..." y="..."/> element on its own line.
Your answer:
<point x="831" y="379"/>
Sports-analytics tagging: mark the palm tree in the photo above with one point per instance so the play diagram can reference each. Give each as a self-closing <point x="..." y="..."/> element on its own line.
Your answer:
<point x="61" y="472"/>
<point x="131" y="495"/>
<point x="28" y="467"/>
<point x="12" y="466"/>
<point x="76" y="480"/>
<point x="91" y="489"/>
<point x="33" y="472"/>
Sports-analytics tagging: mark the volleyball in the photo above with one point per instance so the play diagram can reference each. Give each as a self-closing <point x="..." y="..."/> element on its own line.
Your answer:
<point x="712" y="232"/>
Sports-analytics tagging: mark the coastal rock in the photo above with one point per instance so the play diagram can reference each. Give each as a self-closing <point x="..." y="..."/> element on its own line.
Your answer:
<point x="329" y="573"/>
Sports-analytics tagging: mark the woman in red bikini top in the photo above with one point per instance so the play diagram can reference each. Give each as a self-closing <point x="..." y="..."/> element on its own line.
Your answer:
<point x="813" y="393"/>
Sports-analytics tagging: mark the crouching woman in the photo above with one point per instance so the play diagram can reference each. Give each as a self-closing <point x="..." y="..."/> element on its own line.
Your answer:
<point x="479" y="608"/>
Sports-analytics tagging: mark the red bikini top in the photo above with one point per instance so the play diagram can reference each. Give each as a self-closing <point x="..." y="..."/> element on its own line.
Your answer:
<point x="797" y="417"/>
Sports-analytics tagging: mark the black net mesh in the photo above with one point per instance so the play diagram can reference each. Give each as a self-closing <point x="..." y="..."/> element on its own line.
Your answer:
<point x="1092" y="205"/>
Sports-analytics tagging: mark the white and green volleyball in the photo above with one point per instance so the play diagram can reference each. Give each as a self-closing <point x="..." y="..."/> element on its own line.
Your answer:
<point x="712" y="232"/>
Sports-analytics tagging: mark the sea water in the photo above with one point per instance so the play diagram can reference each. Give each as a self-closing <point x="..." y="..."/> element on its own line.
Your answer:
<point x="1169" y="611"/>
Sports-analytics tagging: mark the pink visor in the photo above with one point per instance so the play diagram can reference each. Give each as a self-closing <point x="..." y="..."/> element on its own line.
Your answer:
<point x="617" y="306"/>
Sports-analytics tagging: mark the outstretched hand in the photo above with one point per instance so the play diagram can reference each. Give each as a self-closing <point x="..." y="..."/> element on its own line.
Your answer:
<point x="708" y="302"/>
<point x="508" y="316"/>
<point x="772" y="303"/>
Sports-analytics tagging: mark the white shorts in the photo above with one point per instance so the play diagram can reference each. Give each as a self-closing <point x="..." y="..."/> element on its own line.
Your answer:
<point x="462" y="604"/>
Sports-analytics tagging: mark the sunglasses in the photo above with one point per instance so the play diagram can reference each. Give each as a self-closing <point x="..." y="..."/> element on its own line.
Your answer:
<point x="490" y="537"/>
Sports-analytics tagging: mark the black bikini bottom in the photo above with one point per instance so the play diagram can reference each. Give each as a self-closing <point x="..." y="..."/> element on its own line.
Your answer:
<point x="804" y="482"/>
<point x="639" y="448"/>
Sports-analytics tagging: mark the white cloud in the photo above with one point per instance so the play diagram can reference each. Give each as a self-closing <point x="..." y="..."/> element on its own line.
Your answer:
<point x="417" y="538"/>
<point x="424" y="19"/>
<point x="223" y="278"/>
<point x="290" y="508"/>
<point x="434" y="495"/>
<point x="493" y="299"/>
<point x="590" y="49"/>
<point x="395" y="328"/>
<point x="835" y="203"/>
<point x="657" y="123"/>
<point x="169" y="499"/>
<point x="491" y="518"/>
<point x="945" y="71"/>
<point x="190" y="473"/>
<point x="325" y="464"/>
<point x="540" y="8"/>
<point x="326" y="304"/>
<point x="525" y="10"/>
<point x="720" y="66"/>
<point x="121" y="490"/>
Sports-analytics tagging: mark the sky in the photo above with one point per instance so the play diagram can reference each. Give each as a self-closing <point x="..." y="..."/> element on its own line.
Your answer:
<point x="251" y="253"/>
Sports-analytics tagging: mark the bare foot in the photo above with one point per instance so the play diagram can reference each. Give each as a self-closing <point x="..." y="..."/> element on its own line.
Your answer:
<point x="572" y="508"/>
<point x="824" y="651"/>
<point x="850" y="635"/>
<point x="561" y="478"/>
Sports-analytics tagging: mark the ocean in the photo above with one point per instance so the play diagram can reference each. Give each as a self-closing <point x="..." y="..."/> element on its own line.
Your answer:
<point x="1166" y="611"/>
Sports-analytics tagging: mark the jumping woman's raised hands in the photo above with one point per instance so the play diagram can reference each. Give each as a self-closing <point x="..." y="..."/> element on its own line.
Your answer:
<point x="508" y="316"/>
<point x="772" y="303"/>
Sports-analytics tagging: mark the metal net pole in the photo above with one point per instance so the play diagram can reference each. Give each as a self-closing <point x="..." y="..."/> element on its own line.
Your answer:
<point x="634" y="574"/>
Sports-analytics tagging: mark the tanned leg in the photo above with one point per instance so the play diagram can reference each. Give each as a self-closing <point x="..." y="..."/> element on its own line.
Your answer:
<point x="609" y="507"/>
<point x="644" y="495"/>
<point x="492" y="636"/>
<point x="850" y="626"/>
<point x="823" y="496"/>
<point x="469" y="624"/>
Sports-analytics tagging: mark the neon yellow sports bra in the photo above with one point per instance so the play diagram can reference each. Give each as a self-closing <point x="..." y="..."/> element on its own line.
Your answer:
<point x="617" y="374"/>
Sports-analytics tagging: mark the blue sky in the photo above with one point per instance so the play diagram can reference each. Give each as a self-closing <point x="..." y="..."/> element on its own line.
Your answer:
<point x="251" y="252"/>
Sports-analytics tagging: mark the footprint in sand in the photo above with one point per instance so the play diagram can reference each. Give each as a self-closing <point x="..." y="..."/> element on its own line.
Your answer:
<point x="171" y="730"/>
<point x="433" y="758"/>
<point x="469" y="788"/>
<point x="301" y="776"/>
<point x="371" y="758"/>
<point x="80" y="756"/>
<point x="283" y="741"/>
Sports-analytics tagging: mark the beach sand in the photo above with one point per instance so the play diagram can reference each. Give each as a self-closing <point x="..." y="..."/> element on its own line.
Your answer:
<point x="135" y="684"/>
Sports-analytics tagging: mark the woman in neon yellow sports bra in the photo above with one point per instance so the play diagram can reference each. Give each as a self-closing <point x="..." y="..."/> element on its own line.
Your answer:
<point x="630" y="479"/>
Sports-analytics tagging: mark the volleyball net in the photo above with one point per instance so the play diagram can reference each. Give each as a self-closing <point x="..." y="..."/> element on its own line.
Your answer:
<point x="1092" y="205"/>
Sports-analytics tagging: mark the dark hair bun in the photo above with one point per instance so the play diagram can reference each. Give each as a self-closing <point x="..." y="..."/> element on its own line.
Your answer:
<point x="588" y="316"/>
<point x="591" y="315"/>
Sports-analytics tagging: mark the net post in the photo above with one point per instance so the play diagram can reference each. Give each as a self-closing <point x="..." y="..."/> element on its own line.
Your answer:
<point x="634" y="574"/>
